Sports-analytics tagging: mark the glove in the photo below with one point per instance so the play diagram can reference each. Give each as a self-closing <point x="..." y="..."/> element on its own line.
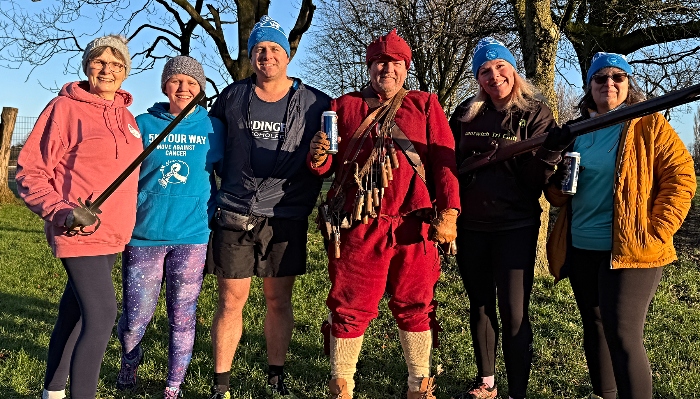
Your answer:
<point x="79" y="217"/>
<point x="562" y="174"/>
<point x="558" y="139"/>
<point x="443" y="228"/>
<point x="318" y="147"/>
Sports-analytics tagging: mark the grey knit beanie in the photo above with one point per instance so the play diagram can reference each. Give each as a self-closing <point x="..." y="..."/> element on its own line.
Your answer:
<point x="114" y="41"/>
<point x="186" y="66"/>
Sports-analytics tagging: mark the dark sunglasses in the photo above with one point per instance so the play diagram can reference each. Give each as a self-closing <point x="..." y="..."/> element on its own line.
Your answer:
<point x="616" y="77"/>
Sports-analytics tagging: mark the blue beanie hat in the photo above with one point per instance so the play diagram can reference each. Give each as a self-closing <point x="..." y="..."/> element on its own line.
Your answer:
<point x="489" y="49"/>
<point x="604" y="60"/>
<point x="268" y="30"/>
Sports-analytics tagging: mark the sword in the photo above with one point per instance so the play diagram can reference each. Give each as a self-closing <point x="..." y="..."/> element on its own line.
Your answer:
<point x="669" y="100"/>
<point x="93" y="207"/>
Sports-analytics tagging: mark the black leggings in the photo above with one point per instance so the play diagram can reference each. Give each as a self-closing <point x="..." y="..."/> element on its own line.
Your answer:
<point x="500" y="265"/>
<point x="86" y="316"/>
<point x="613" y="306"/>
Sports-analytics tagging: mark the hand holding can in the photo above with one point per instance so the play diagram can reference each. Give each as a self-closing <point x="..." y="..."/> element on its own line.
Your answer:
<point x="571" y="161"/>
<point x="329" y="126"/>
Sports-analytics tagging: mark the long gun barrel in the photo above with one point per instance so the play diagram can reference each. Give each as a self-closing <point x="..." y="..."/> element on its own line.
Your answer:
<point x="669" y="100"/>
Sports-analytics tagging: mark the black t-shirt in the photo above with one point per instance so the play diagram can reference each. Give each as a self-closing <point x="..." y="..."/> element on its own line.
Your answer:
<point x="268" y="128"/>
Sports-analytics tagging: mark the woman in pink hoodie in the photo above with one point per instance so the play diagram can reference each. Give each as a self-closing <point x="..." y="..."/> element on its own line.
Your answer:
<point x="82" y="141"/>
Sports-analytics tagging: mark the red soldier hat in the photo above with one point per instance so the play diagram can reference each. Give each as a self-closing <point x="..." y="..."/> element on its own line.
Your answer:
<point x="391" y="46"/>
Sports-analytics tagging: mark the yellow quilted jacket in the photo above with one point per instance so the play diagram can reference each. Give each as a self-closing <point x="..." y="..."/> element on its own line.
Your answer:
<point x="654" y="184"/>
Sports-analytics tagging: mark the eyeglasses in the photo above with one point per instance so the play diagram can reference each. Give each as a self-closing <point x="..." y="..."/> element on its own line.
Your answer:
<point x="603" y="79"/>
<point x="113" y="66"/>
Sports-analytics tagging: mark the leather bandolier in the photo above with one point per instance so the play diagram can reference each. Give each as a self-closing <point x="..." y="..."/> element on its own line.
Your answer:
<point x="374" y="175"/>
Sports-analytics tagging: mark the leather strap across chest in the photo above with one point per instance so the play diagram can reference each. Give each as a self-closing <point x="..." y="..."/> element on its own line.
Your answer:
<point x="399" y="137"/>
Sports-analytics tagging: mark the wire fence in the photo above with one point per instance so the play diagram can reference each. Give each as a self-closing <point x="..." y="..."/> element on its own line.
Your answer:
<point x="23" y="126"/>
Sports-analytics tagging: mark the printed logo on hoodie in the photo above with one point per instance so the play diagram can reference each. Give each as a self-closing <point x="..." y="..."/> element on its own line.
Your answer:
<point x="174" y="172"/>
<point x="134" y="131"/>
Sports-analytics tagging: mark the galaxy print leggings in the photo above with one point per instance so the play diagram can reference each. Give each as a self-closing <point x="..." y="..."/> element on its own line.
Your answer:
<point x="142" y="275"/>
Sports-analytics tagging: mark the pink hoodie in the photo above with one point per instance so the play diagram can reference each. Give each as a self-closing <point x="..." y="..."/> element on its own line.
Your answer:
<point x="79" y="145"/>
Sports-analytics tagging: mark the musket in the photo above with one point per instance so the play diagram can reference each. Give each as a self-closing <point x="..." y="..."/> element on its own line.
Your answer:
<point x="93" y="207"/>
<point x="501" y="154"/>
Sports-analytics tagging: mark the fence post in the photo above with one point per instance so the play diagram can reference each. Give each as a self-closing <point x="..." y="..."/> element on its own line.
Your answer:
<point x="7" y="126"/>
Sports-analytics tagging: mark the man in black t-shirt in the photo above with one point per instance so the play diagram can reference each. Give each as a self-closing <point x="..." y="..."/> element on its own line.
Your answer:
<point x="264" y="202"/>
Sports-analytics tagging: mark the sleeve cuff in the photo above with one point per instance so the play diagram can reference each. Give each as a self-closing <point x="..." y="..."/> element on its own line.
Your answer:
<point x="548" y="156"/>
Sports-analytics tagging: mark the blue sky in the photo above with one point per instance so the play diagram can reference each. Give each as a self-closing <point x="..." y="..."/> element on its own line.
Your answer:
<point x="30" y="97"/>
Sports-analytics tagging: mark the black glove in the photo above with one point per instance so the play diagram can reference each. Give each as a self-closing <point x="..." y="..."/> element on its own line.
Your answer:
<point x="557" y="140"/>
<point x="562" y="174"/>
<point x="80" y="217"/>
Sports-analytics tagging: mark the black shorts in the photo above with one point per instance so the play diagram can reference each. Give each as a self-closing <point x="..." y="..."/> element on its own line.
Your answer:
<point x="273" y="248"/>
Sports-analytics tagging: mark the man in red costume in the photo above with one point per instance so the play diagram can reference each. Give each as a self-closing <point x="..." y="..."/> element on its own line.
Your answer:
<point x="387" y="245"/>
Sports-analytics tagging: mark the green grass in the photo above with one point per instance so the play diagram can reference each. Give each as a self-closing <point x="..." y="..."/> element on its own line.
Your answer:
<point x="31" y="282"/>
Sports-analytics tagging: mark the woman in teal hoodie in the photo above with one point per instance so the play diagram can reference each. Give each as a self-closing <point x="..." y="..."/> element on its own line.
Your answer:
<point x="176" y="188"/>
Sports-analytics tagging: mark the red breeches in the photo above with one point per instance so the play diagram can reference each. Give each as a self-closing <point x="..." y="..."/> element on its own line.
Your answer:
<point x="389" y="254"/>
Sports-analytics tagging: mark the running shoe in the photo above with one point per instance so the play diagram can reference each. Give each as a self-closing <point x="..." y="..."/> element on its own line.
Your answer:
<point x="478" y="390"/>
<point x="172" y="393"/>
<point x="215" y="394"/>
<point x="126" y="379"/>
<point x="276" y="389"/>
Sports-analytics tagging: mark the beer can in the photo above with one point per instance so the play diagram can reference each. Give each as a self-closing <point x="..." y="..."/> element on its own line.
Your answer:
<point x="572" y="160"/>
<point x="329" y="126"/>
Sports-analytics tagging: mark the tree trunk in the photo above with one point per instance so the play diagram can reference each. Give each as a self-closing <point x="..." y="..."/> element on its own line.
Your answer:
<point x="7" y="126"/>
<point x="539" y="38"/>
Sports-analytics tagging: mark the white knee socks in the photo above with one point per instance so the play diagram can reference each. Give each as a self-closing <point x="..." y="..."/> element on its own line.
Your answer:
<point x="417" y="350"/>
<point x="344" y="355"/>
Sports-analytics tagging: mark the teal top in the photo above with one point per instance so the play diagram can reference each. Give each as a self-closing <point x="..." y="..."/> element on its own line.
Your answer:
<point x="592" y="205"/>
<point x="177" y="187"/>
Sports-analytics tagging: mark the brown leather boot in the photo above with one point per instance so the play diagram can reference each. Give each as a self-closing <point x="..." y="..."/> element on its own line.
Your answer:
<point x="338" y="389"/>
<point x="427" y="386"/>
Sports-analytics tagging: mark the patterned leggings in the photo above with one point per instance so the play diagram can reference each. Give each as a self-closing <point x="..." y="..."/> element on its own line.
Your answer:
<point x="142" y="275"/>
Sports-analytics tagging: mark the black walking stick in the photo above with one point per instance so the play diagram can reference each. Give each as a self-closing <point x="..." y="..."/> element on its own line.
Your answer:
<point x="90" y="209"/>
<point x="669" y="100"/>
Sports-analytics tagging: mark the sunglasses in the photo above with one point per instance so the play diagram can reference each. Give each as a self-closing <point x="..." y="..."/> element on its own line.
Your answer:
<point x="616" y="77"/>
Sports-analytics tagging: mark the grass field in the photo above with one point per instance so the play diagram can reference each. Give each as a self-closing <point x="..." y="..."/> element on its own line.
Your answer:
<point x="31" y="282"/>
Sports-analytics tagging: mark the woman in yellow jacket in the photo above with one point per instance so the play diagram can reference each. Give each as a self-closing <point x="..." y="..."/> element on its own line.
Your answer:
<point x="612" y="237"/>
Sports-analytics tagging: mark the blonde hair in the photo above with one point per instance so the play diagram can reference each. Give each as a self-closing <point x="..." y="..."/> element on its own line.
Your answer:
<point x="521" y="97"/>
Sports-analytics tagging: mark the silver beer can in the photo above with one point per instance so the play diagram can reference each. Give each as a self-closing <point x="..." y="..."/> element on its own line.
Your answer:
<point x="329" y="126"/>
<point x="572" y="160"/>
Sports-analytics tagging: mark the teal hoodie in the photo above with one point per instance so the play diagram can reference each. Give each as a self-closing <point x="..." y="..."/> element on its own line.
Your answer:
<point x="177" y="188"/>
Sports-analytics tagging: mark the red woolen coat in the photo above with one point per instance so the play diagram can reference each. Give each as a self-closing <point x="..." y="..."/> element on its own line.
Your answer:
<point x="424" y="122"/>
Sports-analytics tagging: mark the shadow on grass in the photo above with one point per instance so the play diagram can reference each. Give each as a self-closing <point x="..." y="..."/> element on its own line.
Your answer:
<point x="40" y="313"/>
<point x="14" y="230"/>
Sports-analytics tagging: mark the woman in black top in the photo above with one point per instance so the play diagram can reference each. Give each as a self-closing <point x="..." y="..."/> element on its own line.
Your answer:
<point x="500" y="219"/>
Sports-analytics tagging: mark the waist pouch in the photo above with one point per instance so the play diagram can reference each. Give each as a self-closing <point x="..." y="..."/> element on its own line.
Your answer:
<point x="231" y="220"/>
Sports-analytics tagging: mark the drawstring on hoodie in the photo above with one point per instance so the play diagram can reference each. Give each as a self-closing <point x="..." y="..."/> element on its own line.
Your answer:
<point x="118" y="116"/>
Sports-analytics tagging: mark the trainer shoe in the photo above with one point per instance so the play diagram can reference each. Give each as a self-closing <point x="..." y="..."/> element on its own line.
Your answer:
<point x="215" y="394"/>
<point x="173" y="393"/>
<point x="126" y="379"/>
<point x="277" y="389"/>
<point x="53" y="394"/>
<point x="478" y="390"/>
